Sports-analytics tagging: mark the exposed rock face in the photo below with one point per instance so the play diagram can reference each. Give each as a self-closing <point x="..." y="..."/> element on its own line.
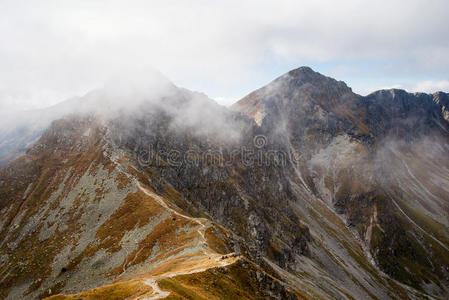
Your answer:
<point x="319" y="190"/>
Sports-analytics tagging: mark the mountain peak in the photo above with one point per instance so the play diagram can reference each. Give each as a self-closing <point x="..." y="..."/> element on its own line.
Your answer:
<point x="303" y="74"/>
<point x="306" y="76"/>
<point x="302" y="71"/>
<point x="290" y="91"/>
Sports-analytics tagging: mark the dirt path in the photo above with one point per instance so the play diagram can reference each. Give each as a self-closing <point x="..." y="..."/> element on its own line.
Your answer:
<point x="214" y="259"/>
<point x="200" y="222"/>
<point x="157" y="292"/>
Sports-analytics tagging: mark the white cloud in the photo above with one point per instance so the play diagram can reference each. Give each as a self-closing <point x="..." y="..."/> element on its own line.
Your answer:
<point x="52" y="49"/>
<point x="225" y="101"/>
<point x="429" y="86"/>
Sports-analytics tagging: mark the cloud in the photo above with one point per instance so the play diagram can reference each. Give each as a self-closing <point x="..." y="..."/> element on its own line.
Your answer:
<point x="54" y="49"/>
<point x="225" y="101"/>
<point x="429" y="86"/>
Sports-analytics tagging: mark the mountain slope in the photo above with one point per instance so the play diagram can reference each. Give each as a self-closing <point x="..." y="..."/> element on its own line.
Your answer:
<point x="85" y="219"/>
<point x="303" y="190"/>
<point x="380" y="161"/>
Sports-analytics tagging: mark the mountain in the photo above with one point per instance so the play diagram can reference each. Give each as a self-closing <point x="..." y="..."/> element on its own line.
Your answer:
<point x="20" y="130"/>
<point x="380" y="161"/>
<point x="302" y="190"/>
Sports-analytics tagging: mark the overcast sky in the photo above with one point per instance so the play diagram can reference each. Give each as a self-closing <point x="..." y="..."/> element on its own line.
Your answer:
<point x="53" y="50"/>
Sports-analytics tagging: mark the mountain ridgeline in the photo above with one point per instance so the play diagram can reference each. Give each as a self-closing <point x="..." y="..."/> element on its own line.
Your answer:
<point x="301" y="190"/>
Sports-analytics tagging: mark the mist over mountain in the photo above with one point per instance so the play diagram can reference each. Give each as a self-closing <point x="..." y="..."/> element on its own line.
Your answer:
<point x="303" y="189"/>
